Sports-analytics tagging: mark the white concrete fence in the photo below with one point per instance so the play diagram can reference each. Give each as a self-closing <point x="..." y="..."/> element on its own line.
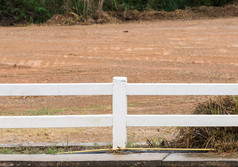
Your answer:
<point x="119" y="120"/>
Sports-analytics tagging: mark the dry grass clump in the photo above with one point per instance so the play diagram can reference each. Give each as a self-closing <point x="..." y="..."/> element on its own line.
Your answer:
<point x="223" y="139"/>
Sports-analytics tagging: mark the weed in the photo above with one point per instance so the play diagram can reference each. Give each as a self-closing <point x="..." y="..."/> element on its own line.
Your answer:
<point x="130" y="144"/>
<point x="108" y="146"/>
<point x="131" y="141"/>
<point x="32" y="151"/>
<point x="96" y="107"/>
<point x="74" y="109"/>
<point x="4" y="150"/>
<point x="95" y="146"/>
<point x="131" y="105"/>
<point x="12" y="112"/>
<point x="53" y="150"/>
<point x="159" y="142"/>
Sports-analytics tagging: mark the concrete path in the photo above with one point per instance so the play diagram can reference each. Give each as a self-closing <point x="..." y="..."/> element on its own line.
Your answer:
<point x="131" y="159"/>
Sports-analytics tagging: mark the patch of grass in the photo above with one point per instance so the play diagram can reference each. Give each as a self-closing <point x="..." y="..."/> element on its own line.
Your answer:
<point x="130" y="144"/>
<point x="12" y="112"/>
<point x="74" y="109"/>
<point x="20" y="150"/>
<point x="223" y="139"/>
<point x="7" y="151"/>
<point x="54" y="149"/>
<point x="42" y="111"/>
<point x="97" y="107"/>
<point x="45" y="111"/>
<point x="95" y="146"/>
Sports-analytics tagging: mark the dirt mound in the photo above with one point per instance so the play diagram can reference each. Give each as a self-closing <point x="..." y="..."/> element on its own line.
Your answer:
<point x="226" y="11"/>
<point x="72" y="18"/>
<point x="99" y="17"/>
<point x="189" y="13"/>
<point x="67" y="19"/>
<point x="103" y="17"/>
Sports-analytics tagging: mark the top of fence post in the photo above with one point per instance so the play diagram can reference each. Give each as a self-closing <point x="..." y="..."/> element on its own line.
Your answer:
<point x="119" y="112"/>
<point x="119" y="79"/>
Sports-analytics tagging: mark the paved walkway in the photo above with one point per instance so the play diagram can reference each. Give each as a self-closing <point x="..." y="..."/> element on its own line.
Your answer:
<point x="131" y="159"/>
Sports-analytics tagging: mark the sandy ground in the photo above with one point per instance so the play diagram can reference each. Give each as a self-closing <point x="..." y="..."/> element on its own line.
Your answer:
<point x="197" y="51"/>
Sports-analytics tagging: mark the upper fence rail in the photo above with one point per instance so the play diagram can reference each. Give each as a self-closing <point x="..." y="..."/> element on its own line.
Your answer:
<point x="182" y="89"/>
<point x="57" y="89"/>
<point x="69" y="89"/>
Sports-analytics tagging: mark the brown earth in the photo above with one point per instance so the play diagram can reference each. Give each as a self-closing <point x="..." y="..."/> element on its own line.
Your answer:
<point x="195" y="51"/>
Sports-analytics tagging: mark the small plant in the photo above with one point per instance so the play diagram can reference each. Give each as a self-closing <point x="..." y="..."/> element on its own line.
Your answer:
<point x="131" y="142"/>
<point x="95" y="146"/>
<point x="53" y="150"/>
<point x="97" y="107"/>
<point x="159" y="142"/>
<point x="131" y="105"/>
<point x="4" y="150"/>
<point x="109" y="146"/>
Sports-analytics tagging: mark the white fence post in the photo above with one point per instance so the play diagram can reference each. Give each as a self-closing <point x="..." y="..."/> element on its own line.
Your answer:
<point x="119" y="112"/>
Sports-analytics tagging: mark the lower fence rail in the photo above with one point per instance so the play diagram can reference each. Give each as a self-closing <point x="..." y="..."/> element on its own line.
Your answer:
<point x="59" y="121"/>
<point x="183" y="120"/>
<point x="77" y="121"/>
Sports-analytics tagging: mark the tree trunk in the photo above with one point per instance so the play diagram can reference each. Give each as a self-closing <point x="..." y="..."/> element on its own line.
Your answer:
<point x="100" y="5"/>
<point x="84" y="7"/>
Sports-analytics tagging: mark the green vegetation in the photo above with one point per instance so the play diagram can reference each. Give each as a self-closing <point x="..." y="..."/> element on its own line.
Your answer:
<point x="53" y="149"/>
<point x="39" y="11"/>
<point x="131" y="140"/>
<point x="159" y="142"/>
<point x="30" y="150"/>
<point x="45" y="111"/>
<point x="36" y="150"/>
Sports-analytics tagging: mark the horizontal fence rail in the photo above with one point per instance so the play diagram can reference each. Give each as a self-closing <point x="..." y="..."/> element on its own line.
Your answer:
<point x="61" y="121"/>
<point x="182" y="89"/>
<point x="60" y="89"/>
<point x="119" y="120"/>
<point x="183" y="120"/>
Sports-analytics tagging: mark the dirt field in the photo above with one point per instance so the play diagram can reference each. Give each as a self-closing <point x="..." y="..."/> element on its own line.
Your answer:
<point x="196" y="51"/>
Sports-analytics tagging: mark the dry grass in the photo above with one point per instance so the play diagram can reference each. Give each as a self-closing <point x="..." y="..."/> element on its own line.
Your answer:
<point x="224" y="139"/>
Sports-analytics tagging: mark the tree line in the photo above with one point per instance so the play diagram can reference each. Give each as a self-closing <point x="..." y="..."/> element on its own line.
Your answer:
<point x="38" y="11"/>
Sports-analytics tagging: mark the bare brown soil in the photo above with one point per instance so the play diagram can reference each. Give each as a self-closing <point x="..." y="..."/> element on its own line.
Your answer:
<point x="195" y="51"/>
